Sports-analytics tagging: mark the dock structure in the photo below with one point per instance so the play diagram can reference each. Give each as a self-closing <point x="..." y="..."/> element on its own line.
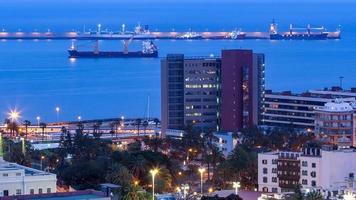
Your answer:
<point x="206" y="35"/>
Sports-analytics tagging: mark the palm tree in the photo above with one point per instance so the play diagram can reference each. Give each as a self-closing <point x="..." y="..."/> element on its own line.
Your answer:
<point x="113" y="128"/>
<point x="96" y="126"/>
<point x="137" y="193"/>
<point x="43" y="126"/>
<point x="96" y="129"/>
<point x="7" y="122"/>
<point x="145" y="125"/>
<point x="26" y="123"/>
<point x="139" y="167"/>
<point x="314" y="195"/>
<point x="138" y="123"/>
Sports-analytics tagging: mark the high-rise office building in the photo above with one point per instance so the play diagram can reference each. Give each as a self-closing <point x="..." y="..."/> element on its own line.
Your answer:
<point x="212" y="93"/>
<point x="242" y="89"/>
<point x="189" y="92"/>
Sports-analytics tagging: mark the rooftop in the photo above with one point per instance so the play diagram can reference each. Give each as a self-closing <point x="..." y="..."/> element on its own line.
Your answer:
<point x="77" y="195"/>
<point x="6" y="166"/>
<point x="336" y="106"/>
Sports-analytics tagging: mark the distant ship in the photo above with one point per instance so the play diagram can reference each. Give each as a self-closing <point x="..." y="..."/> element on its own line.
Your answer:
<point x="149" y="50"/>
<point x="236" y="34"/>
<point x="190" y="35"/>
<point x="308" y="33"/>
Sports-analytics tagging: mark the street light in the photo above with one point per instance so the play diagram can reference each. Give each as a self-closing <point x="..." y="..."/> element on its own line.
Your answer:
<point x="79" y="118"/>
<point x="42" y="158"/>
<point x="236" y="185"/>
<point x="201" y="171"/>
<point x="349" y="195"/>
<point x="153" y="173"/>
<point x="57" y="111"/>
<point x="38" y="118"/>
<point x="14" y="115"/>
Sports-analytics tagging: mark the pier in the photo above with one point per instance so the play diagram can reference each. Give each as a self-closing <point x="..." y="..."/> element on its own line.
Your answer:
<point x="238" y="35"/>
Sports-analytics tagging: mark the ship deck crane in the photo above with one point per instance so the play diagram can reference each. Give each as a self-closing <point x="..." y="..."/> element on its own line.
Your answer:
<point x="126" y="44"/>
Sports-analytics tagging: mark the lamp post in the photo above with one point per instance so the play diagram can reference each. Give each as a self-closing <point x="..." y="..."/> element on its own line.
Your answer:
<point x="236" y="185"/>
<point x="57" y="111"/>
<point x="38" y="118"/>
<point x="201" y="171"/>
<point x="79" y="118"/>
<point x="153" y="172"/>
<point x="42" y="158"/>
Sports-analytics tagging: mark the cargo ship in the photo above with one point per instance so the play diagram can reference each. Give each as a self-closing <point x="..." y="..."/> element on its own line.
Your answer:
<point x="149" y="50"/>
<point x="307" y="33"/>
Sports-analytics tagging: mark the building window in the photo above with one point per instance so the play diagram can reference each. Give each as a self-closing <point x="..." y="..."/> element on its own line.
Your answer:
<point x="18" y="192"/>
<point x="264" y="170"/>
<point x="264" y="162"/>
<point x="305" y="164"/>
<point x="304" y="182"/>
<point x="274" y="179"/>
<point x="275" y="190"/>
<point x="313" y="174"/>
<point x="274" y="161"/>
<point x="5" y="175"/>
<point x="305" y="173"/>
<point x="264" y="189"/>
<point x="274" y="170"/>
<point x="5" y="193"/>
<point x="40" y="191"/>
<point x="265" y="179"/>
<point x="313" y="165"/>
<point x="313" y="183"/>
<point x="32" y="191"/>
<point x="18" y="174"/>
<point x="48" y="190"/>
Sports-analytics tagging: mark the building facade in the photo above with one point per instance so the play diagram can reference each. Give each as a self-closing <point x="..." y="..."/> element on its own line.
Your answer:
<point x="189" y="92"/>
<point x="242" y="89"/>
<point x="20" y="180"/>
<point x="225" y="142"/>
<point x="336" y="120"/>
<point x="298" y="110"/>
<point x="212" y="93"/>
<point x="313" y="169"/>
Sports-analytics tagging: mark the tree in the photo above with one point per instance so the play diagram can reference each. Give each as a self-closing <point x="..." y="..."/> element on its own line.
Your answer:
<point x="26" y="123"/>
<point x="137" y="193"/>
<point x="298" y="195"/>
<point x="314" y="195"/>
<point x="120" y="175"/>
<point x="138" y="123"/>
<point x="96" y="130"/>
<point x="43" y="126"/>
<point x="145" y="125"/>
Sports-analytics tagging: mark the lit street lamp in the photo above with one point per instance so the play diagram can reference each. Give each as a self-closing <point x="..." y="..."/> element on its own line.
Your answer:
<point x="14" y="115"/>
<point x="79" y="118"/>
<point x="57" y="111"/>
<point x="42" y="158"/>
<point x="153" y="172"/>
<point x="349" y="195"/>
<point x="201" y="171"/>
<point x="38" y="118"/>
<point x="236" y="185"/>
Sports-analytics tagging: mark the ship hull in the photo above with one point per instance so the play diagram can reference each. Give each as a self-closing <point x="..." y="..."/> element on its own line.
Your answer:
<point x="299" y="36"/>
<point x="111" y="54"/>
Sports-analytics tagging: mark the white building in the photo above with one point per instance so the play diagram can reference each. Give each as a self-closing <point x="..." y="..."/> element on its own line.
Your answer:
<point x="329" y="171"/>
<point x="225" y="142"/>
<point x="20" y="180"/>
